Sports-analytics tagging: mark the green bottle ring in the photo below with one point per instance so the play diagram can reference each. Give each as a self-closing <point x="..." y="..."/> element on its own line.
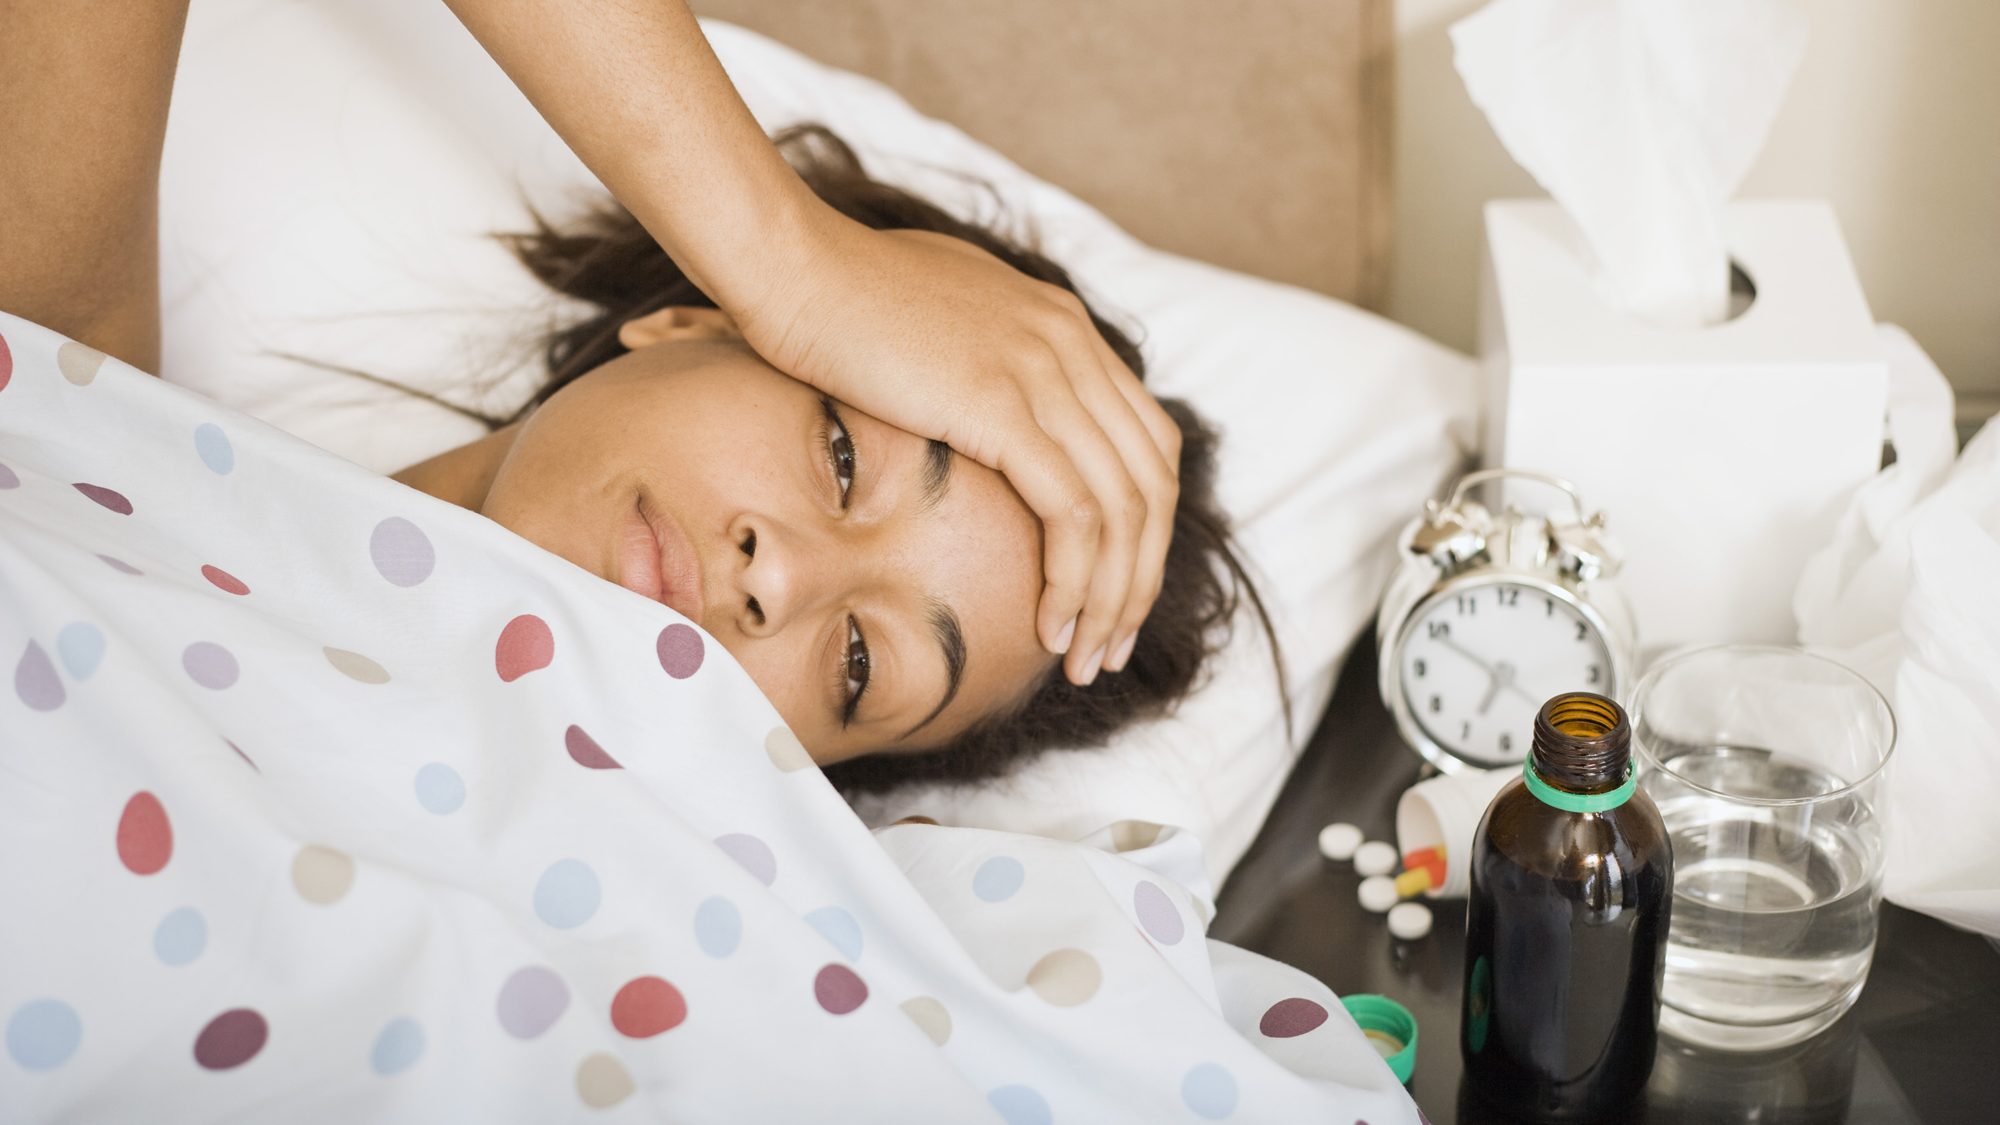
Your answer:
<point x="1579" y="802"/>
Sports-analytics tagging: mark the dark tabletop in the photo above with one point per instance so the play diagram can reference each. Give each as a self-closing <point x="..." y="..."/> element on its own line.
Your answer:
<point x="1921" y="1045"/>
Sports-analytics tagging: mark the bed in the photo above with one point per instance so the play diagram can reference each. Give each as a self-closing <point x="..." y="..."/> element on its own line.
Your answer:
<point x="534" y="978"/>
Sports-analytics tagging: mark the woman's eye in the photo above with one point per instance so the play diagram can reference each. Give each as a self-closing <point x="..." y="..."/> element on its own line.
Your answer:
<point x="839" y="450"/>
<point x="856" y="666"/>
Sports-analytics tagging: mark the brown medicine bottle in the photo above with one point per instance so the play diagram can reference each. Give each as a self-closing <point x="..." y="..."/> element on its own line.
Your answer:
<point x="1566" y="928"/>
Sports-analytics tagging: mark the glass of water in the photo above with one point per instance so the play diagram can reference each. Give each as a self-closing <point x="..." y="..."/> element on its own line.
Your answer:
<point x="1765" y="763"/>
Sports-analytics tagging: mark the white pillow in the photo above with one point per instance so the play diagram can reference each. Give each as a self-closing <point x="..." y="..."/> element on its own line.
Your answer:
<point x="331" y="171"/>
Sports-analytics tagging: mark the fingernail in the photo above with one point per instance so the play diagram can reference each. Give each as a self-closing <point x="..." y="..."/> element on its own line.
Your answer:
<point x="1068" y="634"/>
<point x="1091" y="666"/>
<point x="1123" y="653"/>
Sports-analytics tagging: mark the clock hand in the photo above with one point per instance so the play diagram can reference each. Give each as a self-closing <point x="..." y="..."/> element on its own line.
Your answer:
<point x="1467" y="653"/>
<point x="1492" y="689"/>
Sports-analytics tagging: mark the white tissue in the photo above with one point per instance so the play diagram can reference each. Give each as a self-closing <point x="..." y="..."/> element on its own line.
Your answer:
<point x="1640" y="117"/>
<point x="1905" y="594"/>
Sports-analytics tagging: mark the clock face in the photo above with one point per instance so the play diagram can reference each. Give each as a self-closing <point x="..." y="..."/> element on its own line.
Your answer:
<point x="1479" y="661"/>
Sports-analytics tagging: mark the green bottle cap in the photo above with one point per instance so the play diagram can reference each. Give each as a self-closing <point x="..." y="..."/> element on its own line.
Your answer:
<point x="1390" y="1028"/>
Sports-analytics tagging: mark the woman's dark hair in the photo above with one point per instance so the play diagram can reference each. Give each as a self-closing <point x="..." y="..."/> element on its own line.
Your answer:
<point x="604" y="257"/>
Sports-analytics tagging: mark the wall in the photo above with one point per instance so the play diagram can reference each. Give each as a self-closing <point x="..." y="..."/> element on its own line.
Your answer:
<point x="1892" y="116"/>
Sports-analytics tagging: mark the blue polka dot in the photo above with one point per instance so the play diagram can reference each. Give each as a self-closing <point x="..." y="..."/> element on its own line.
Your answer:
<point x="181" y="936"/>
<point x="717" y="927"/>
<point x="440" y="789"/>
<point x="1210" y="1091"/>
<point x="998" y="878"/>
<point x="43" y="1034"/>
<point x="567" y="894"/>
<point x="81" y="647"/>
<point x="1021" y="1105"/>
<point x="398" y="1047"/>
<point x="838" y="927"/>
<point x="213" y="445"/>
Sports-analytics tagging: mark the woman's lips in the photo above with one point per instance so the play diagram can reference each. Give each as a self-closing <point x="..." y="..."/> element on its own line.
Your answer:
<point x="657" y="560"/>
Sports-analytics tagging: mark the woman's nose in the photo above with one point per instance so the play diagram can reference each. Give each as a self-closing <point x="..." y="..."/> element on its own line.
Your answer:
<point x="780" y="573"/>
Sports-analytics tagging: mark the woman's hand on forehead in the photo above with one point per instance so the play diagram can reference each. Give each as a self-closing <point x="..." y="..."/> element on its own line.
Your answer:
<point x="937" y="337"/>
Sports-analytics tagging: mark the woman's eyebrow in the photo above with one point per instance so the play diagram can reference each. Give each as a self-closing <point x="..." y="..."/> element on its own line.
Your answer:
<point x="937" y="475"/>
<point x="951" y="643"/>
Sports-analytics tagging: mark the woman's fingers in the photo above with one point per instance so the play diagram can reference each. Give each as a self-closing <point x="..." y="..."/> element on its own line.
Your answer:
<point x="1117" y="508"/>
<point x="1160" y="479"/>
<point x="1136" y="543"/>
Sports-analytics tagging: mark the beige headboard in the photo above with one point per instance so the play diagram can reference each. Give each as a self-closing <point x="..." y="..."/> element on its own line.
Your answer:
<point x="1254" y="135"/>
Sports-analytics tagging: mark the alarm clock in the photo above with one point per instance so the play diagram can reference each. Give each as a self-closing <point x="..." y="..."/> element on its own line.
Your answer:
<point x="1489" y="616"/>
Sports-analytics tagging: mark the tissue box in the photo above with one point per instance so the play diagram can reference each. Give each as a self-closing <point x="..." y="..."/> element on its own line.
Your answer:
<point x="1721" y="456"/>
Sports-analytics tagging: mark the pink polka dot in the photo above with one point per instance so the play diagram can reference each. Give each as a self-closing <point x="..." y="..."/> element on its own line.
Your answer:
<point x="647" y="1006"/>
<point x="120" y="565"/>
<point x="525" y="646"/>
<point x="680" y="651"/>
<point x="35" y="680"/>
<point x="231" y="1039"/>
<point x="752" y="854"/>
<point x="6" y="364"/>
<point x="586" y="752"/>
<point x="531" y="1001"/>
<point x="1291" y="1017"/>
<point x="210" y="665"/>
<point x="839" y="990"/>
<point x="224" y="580"/>
<point x="145" y="838"/>
<point x="1157" y="914"/>
<point x="112" y="500"/>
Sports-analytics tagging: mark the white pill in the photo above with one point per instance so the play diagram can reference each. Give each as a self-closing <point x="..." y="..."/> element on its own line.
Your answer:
<point x="1338" y="841"/>
<point x="1409" y="920"/>
<point x="1375" y="858"/>
<point x="1377" y="893"/>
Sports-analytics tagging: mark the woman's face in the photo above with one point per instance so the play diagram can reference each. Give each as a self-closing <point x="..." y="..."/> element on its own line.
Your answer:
<point x="879" y="588"/>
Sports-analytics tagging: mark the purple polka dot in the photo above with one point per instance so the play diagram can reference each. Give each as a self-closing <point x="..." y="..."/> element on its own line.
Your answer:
<point x="210" y="665"/>
<point x="1157" y="914"/>
<point x="752" y="854"/>
<point x="8" y="479"/>
<point x="531" y="1001"/>
<point x="112" y="500"/>
<point x="231" y="1039"/>
<point x="120" y="564"/>
<point x="585" y="751"/>
<point x="35" y="680"/>
<point x="402" y="553"/>
<point x="1291" y="1017"/>
<point x="839" y="989"/>
<point x="680" y="650"/>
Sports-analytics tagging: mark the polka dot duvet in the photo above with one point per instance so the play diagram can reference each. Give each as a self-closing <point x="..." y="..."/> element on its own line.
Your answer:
<point x="324" y="800"/>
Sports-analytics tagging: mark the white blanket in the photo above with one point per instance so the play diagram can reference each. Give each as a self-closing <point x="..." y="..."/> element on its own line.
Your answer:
<point x="322" y="799"/>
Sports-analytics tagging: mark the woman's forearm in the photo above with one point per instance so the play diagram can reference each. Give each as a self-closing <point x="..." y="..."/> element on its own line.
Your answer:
<point x="83" y="116"/>
<point x="636" y="91"/>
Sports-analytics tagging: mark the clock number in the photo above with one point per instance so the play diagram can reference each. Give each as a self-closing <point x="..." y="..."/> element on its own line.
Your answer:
<point x="1506" y="742"/>
<point x="1550" y="603"/>
<point x="1594" y="676"/>
<point x="1465" y="728"/>
<point x="1509" y="597"/>
<point x="1467" y="605"/>
<point x="1437" y="703"/>
<point x="1421" y="668"/>
<point x="1581" y="630"/>
<point x="1439" y="629"/>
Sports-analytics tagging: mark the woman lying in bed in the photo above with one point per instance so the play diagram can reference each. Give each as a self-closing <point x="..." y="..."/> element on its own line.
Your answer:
<point x="894" y="596"/>
<point x="878" y="587"/>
